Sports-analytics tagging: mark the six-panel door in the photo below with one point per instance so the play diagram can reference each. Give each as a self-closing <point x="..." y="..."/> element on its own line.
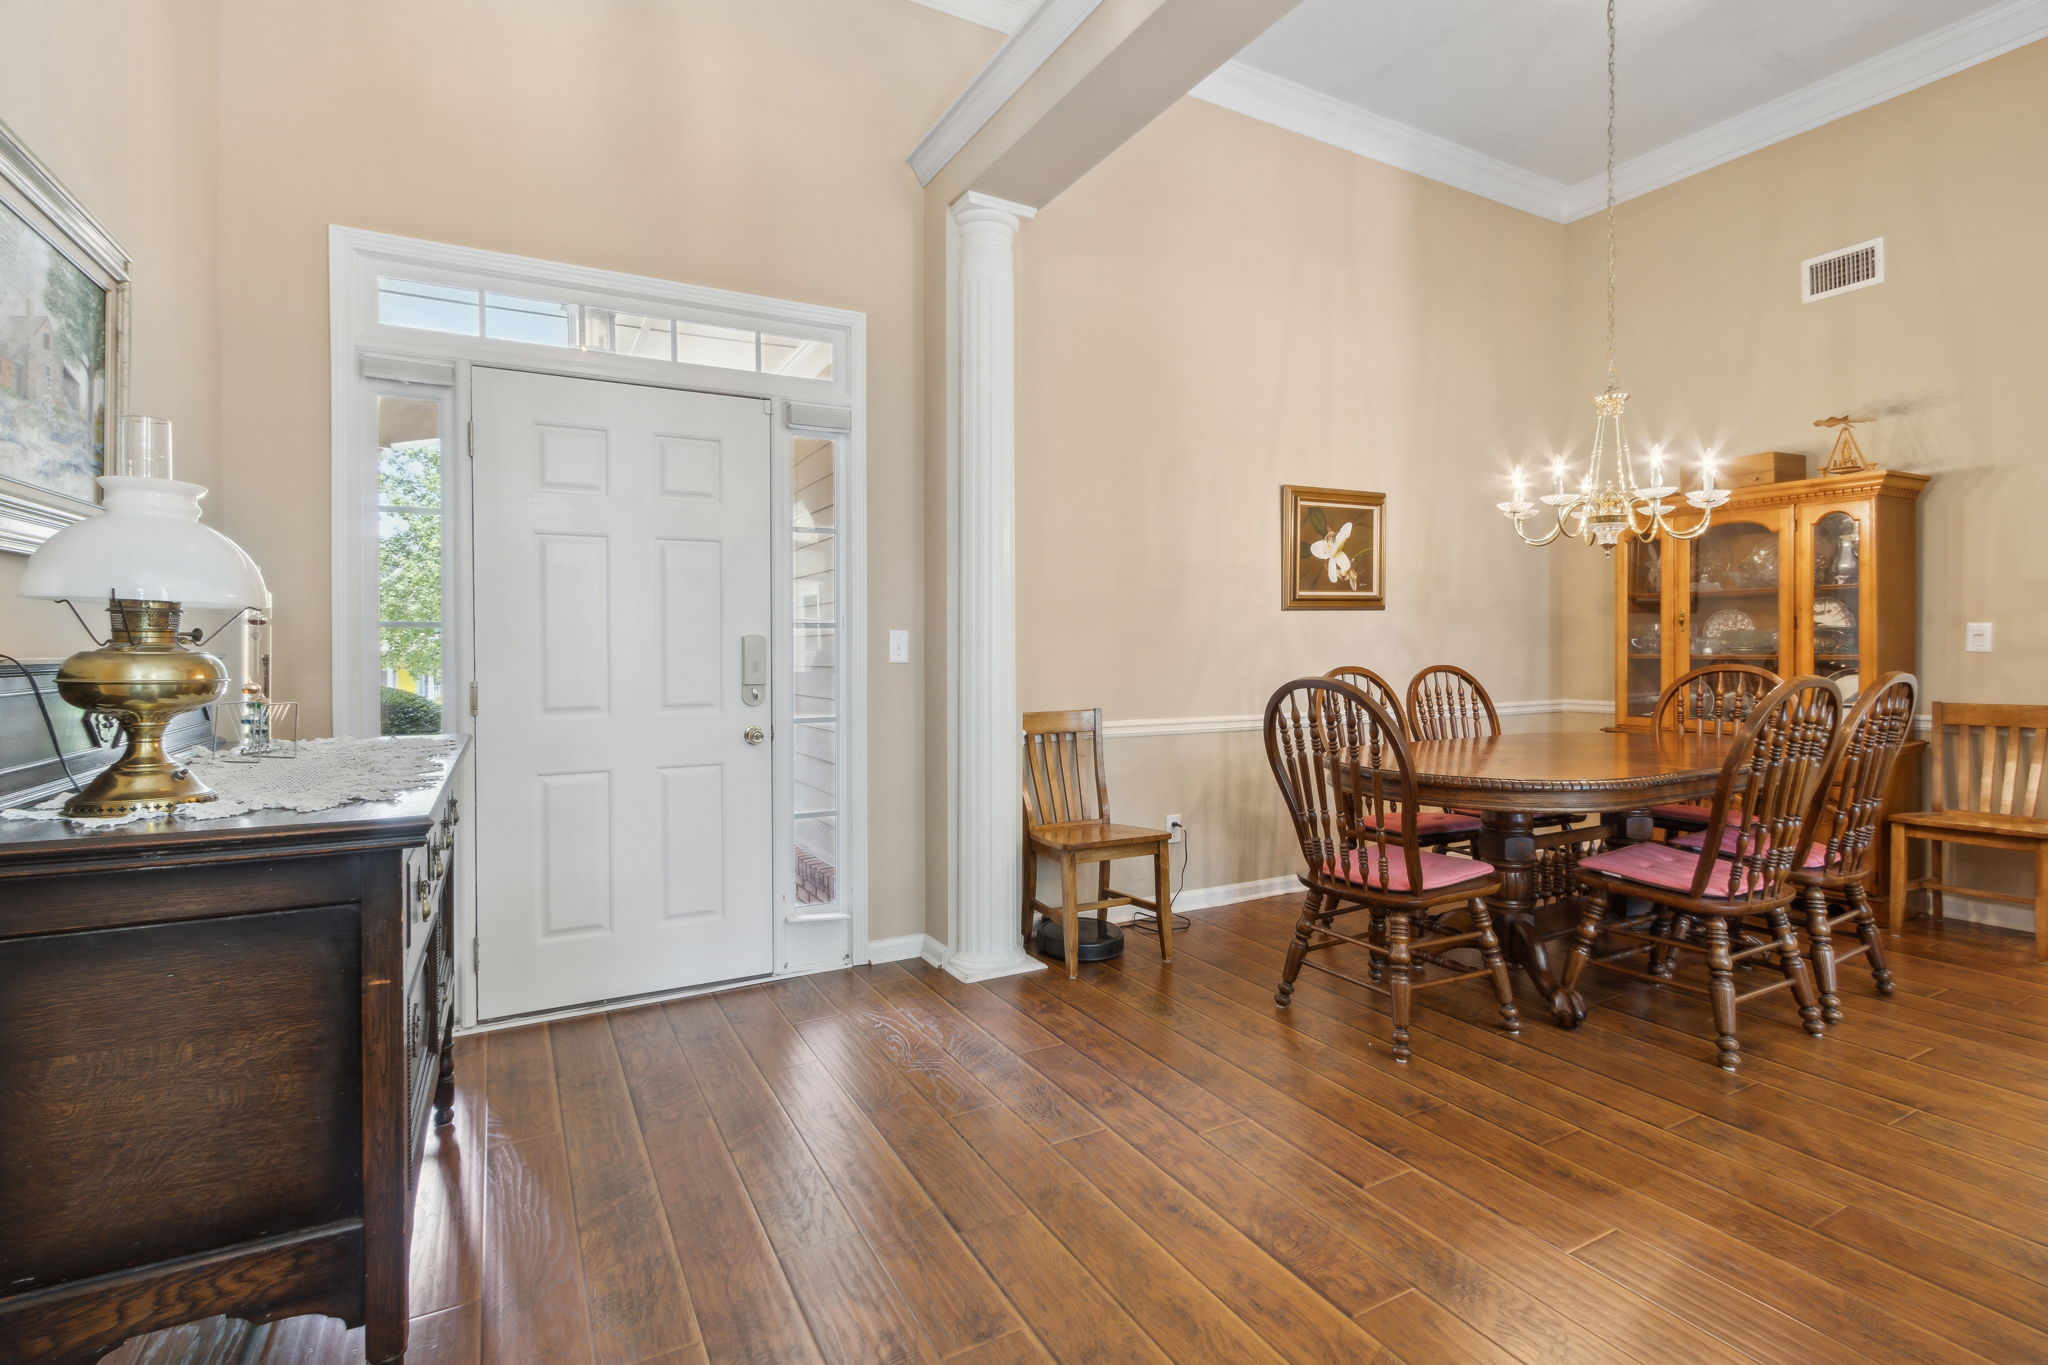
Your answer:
<point x="624" y="810"/>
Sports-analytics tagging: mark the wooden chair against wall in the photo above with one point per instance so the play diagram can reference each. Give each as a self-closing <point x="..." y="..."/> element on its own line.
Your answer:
<point x="1066" y="818"/>
<point x="1988" y="766"/>
<point x="1446" y="702"/>
<point x="1765" y="799"/>
<point x="1714" y="700"/>
<point x="1337" y="756"/>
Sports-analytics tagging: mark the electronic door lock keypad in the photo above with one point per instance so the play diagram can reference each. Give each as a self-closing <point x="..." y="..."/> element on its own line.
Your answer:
<point x="753" y="669"/>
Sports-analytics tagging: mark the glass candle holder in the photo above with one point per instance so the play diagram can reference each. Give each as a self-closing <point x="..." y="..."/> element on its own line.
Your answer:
<point x="145" y="450"/>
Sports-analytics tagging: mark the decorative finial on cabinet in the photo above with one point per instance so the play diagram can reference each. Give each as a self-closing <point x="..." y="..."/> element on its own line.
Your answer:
<point x="1847" y="457"/>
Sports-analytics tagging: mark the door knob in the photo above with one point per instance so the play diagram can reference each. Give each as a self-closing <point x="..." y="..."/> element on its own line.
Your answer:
<point x="755" y="734"/>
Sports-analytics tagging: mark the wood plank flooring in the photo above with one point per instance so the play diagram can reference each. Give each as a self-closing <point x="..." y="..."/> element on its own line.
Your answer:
<point x="1155" y="1164"/>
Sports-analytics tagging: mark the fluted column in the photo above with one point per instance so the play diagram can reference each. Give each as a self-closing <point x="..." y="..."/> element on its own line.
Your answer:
<point x="986" y="856"/>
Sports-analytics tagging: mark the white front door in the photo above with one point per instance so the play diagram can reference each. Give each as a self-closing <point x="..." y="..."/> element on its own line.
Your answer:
<point x="624" y="788"/>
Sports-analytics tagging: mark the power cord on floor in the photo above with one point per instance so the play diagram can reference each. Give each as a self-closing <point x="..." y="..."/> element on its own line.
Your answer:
<point x="49" y="726"/>
<point x="1181" y="923"/>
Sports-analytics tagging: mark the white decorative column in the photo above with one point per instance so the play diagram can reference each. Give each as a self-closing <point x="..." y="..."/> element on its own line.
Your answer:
<point x="987" y="803"/>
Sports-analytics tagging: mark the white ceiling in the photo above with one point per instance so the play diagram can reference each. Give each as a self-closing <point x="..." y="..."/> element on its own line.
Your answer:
<point x="1507" y="98"/>
<point x="1524" y="81"/>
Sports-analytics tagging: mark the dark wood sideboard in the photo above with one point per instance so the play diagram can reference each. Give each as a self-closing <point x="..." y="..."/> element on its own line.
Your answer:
<point x="222" y="1045"/>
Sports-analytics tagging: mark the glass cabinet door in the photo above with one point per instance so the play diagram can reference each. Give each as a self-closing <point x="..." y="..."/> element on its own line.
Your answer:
<point x="1836" y="571"/>
<point x="1733" y="592"/>
<point x="1642" y="635"/>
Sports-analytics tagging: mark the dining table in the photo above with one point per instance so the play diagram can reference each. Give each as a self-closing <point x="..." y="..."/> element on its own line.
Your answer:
<point x="1523" y="787"/>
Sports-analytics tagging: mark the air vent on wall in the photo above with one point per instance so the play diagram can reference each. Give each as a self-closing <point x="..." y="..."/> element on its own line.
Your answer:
<point x="1838" y="272"/>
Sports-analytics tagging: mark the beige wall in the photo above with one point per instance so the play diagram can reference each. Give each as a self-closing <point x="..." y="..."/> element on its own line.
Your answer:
<point x="1950" y="353"/>
<point x="753" y="146"/>
<point x="1217" y="309"/>
<point x="116" y="97"/>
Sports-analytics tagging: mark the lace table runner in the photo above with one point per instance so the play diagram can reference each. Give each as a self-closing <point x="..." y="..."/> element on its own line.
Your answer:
<point x="327" y="773"/>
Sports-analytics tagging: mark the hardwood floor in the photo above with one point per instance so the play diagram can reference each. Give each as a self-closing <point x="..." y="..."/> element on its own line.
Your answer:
<point x="1155" y="1164"/>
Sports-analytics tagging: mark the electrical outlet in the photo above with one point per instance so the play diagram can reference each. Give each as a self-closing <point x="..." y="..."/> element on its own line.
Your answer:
<point x="1178" y="828"/>
<point x="899" y="646"/>
<point x="1977" y="637"/>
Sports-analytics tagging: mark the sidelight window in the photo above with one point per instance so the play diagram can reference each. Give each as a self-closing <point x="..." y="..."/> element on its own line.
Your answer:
<point x="411" y="520"/>
<point x="814" y="580"/>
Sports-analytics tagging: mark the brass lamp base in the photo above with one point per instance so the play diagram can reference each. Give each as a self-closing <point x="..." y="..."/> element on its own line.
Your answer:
<point x="144" y="676"/>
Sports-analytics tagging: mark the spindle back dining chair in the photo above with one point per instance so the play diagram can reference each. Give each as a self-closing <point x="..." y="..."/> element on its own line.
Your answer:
<point x="1376" y="689"/>
<point x="1436" y="828"/>
<point x="1341" y="762"/>
<point x="1446" y="702"/>
<point x="1844" y="832"/>
<point x="1066" y="819"/>
<point x="1989" y="762"/>
<point x="1764" y="799"/>
<point x="1713" y="700"/>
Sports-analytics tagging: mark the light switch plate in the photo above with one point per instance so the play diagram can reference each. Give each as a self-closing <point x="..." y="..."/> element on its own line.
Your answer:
<point x="899" y="646"/>
<point x="1977" y="637"/>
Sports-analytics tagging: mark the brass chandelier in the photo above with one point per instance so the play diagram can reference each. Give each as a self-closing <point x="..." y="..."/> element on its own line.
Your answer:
<point x="1610" y="499"/>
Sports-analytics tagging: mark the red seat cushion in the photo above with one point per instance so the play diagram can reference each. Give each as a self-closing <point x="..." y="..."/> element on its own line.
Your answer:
<point x="1362" y="867"/>
<point x="1432" y="823"/>
<point x="1696" y="816"/>
<point x="1817" y="856"/>
<point x="1658" y="865"/>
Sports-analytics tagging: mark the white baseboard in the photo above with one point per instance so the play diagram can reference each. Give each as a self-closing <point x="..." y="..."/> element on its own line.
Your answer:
<point x="1191" y="898"/>
<point x="1988" y="912"/>
<point x="907" y="946"/>
<point x="1206" y="897"/>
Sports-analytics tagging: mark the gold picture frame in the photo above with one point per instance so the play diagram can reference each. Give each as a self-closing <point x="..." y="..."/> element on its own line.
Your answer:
<point x="63" y="351"/>
<point x="1333" y="549"/>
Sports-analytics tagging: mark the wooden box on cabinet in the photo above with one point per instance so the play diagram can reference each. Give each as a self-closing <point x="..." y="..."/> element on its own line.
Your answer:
<point x="222" y="1045"/>
<point x="1824" y="571"/>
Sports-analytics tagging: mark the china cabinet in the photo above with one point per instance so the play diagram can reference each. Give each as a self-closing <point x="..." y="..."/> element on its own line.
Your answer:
<point x="1805" y="576"/>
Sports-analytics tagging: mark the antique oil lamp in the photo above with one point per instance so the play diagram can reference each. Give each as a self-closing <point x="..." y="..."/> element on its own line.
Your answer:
<point x="148" y="558"/>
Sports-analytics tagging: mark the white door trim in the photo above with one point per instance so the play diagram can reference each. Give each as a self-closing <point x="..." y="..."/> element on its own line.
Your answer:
<point x="806" y="939"/>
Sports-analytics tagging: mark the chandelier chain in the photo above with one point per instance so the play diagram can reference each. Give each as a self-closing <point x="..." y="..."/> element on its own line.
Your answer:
<point x="1613" y="380"/>
<point x="1613" y="502"/>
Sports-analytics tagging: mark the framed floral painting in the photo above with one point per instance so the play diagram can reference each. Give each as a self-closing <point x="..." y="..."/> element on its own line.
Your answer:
<point x="1333" y="549"/>
<point x="63" y="343"/>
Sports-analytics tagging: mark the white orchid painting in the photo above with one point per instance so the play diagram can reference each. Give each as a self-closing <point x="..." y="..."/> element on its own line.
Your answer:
<point x="1333" y="547"/>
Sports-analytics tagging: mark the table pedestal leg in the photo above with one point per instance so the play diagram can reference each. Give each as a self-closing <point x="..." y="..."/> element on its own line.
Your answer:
<point x="1537" y="907"/>
<point x="1507" y="839"/>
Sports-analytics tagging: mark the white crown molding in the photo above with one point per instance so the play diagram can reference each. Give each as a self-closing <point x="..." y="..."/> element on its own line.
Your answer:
<point x="1004" y="16"/>
<point x="1223" y="725"/>
<point x="1036" y="39"/>
<point x="1909" y="66"/>
<point x="1288" y="104"/>
<point x="1291" y="105"/>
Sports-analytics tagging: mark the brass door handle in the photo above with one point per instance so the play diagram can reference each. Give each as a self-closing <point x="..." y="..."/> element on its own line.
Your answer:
<point x="754" y="734"/>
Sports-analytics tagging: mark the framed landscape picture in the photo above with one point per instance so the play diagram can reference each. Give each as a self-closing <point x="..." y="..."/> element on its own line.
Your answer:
<point x="1333" y="549"/>
<point x="63" y="343"/>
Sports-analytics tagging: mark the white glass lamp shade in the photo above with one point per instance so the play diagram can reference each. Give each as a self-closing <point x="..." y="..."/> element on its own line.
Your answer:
<point x="147" y="544"/>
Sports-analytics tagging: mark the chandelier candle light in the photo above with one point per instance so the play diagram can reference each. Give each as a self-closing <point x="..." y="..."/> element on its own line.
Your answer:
<point x="1610" y="499"/>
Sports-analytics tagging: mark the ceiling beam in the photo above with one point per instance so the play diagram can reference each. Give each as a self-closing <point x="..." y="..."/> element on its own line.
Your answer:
<point x="1074" y="81"/>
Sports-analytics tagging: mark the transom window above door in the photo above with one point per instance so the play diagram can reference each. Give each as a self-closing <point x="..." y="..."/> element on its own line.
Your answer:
<point x="577" y="326"/>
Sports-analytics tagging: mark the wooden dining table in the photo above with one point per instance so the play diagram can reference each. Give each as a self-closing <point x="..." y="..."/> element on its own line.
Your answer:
<point x="1518" y="784"/>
